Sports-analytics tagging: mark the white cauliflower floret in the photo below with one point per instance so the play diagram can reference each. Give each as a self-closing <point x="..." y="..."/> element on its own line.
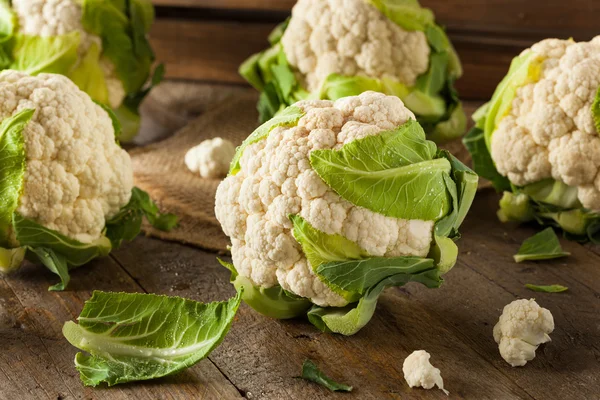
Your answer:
<point x="276" y="180"/>
<point x="48" y="18"/>
<point x="549" y="132"/>
<point x="351" y="37"/>
<point x="419" y="372"/>
<point x="77" y="177"/>
<point x="211" y="158"/>
<point x="522" y="327"/>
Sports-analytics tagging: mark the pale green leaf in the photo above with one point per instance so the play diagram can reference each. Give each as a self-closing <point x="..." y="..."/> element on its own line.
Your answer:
<point x="393" y="173"/>
<point x="89" y="76"/>
<point x="320" y="248"/>
<point x="40" y="54"/>
<point x="547" y="288"/>
<point x="134" y="336"/>
<point x="11" y="259"/>
<point x="524" y="69"/>
<point x="596" y="111"/>
<point x="12" y="168"/>
<point x="541" y="246"/>
<point x="288" y="117"/>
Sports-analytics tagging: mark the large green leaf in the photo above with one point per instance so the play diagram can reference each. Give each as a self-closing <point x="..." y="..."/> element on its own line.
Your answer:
<point x="393" y="173"/>
<point x="360" y="275"/>
<point x="52" y="54"/>
<point x="133" y="336"/>
<point x="274" y="302"/>
<point x="288" y="117"/>
<point x="352" y="318"/>
<point x="56" y="251"/>
<point x="123" y="26"/>
<point x="541" y="246"/>
<point x="12" y="169"/>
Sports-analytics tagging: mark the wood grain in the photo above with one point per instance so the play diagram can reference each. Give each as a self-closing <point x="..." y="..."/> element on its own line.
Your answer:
<point x="36" y="362"/>
<point x="576" y="18"/>
<point x="262" y="356"/>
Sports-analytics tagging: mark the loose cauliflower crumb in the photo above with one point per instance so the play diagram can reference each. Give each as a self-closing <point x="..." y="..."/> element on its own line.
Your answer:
<point x="522" y="327"/>
<point x="351" y="37"/>
<point x="419" y="372"/>
<point x="59" y="17"/>
<point x="549" y="131"/>
<point x="211" y="158"/>
<point x="77" y="177"/>
<point x="276" y="180"/>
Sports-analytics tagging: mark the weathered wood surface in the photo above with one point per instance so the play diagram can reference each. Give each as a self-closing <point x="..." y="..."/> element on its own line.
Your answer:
<point x="208" y="39"/>
<point x="260" y="357"/>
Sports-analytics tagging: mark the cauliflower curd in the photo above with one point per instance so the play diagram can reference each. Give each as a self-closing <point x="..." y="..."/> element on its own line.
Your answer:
<point x="77" y="176"/>
<point x="66" y="185"/>
<point x="351" y="37"/>
<point x="211" y="158"/>
<point x="549" y="131"/>
<point x="276" y="180"/>
<point x="522" y="327"/>
<point x="295" y="213"/>
<point x="541" y="132"/>
<point x="101" y="45"/>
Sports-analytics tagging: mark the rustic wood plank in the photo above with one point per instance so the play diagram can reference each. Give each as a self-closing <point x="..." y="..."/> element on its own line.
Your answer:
<point x="566" y="368"/>
<point x="514" y="17"/>
<point x="213" y="51"/>
<point x="261" y="356"/>
<point x="38" y="362"/>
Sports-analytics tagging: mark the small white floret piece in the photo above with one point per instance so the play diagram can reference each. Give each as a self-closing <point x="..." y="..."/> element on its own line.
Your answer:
<point x="522" y="327"/>
<point x="211" y="158"/>
<point x="419" y="372"/>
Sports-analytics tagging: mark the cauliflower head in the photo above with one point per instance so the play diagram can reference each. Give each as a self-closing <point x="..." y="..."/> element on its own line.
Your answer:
<point x="351" y="38"/>
<point x="211" y="158"/>
<point x="541" y="130"/>
<point x="419" y="372"/>
<point x="290" y="204"/>
<point x="522" y="327"/>
<point x="94" y="43"/>
<point x="66" y="184"/>
<point x="337" y="48"/>
<point x="77" y="176"/>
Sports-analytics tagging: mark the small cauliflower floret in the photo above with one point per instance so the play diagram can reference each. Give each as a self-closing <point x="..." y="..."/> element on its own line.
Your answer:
<point x="49" y="18"/>
<point x="77" y="176"/>
<point x="276" y="180"/>
<point x="522" y="327"/>
<point x="211" y="158"/>
<point x="419" y="372"/>
<point x="351" y="37"/>
<point x="549" y="131"/>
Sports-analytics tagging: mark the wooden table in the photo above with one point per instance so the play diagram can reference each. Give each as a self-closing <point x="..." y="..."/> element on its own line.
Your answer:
<point x="260" y="357"/>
